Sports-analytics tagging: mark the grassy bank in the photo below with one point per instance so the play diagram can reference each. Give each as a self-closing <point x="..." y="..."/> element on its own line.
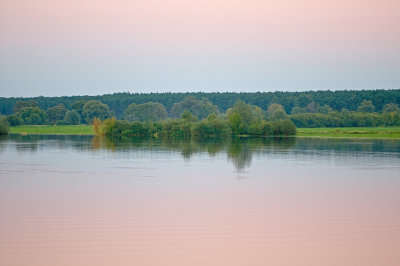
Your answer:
<point x="350" y="132"/>
<point x="336" y="132"/>
<point x="54" y="130"/>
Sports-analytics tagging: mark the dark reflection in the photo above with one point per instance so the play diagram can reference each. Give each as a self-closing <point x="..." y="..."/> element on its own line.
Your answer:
<point x="2" y="139"/>
<point x="240" y="151"/>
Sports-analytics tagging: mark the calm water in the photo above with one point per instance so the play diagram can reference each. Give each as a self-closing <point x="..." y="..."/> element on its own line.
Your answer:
<point x="91" y="201"/>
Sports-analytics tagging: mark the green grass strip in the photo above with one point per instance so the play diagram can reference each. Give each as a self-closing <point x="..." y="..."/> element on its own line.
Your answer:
<point x="54" y="130"/>
<point x="350" y="132"/>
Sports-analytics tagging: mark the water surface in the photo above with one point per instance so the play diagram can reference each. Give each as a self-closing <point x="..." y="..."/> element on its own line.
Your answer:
<point x="93" y="201"/>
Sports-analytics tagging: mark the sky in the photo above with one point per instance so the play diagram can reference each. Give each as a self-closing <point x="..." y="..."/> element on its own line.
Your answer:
<point x="92" y="47"/>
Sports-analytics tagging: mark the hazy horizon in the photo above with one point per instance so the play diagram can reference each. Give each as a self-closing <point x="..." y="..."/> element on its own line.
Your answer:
<point x="55" y="48"/>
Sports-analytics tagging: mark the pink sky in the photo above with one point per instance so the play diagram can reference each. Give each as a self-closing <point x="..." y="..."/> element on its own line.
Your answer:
<point x="56" y="47"/>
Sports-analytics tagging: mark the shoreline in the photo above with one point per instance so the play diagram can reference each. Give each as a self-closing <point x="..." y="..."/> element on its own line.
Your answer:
<point x="342" y="132"/>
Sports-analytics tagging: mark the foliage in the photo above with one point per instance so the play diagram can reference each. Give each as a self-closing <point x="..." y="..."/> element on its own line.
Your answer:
<point x="14" y="120"/>
<point x="78" y="106"/>
<point x="212" y="127"/>
<point x="391" y="119"/>
<point x="95" y="109"/>
<point x="188" y="117"/>
<point x="145" y="112"/>
<point x="61" y="123"/>
<point x="97" y="126"/>
<point x="345" y="119"/>
<point x="118" y="102"/>
<point x="201" y="109"/>
<point x="275" y="112"/>
<point x="106" y="126"/>
<point x="19" y="105"/>
<point x="72" y="118"/>
<point x="33" y="116"/>
<point x="56" y="113"/>
<point x="283" y="128"/>
<point x="310" y="108"/>
<point x="3" y="125"/>
<point x="242" y="115"/>
<point x="325" y="109"/>
<point x="366" y="107"/>
<point x="391" y="107"/>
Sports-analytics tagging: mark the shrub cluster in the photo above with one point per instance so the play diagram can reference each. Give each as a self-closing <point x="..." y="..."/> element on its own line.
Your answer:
<point x="3" y="125"/>
<point x="211" y="127"/>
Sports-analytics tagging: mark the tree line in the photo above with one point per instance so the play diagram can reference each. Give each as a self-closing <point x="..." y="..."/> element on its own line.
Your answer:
<point x="290" y="101"/>
<point x="193" y="116"/>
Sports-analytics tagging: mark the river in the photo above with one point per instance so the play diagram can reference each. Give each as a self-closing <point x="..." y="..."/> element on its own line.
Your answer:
<point x="76" y="200"/>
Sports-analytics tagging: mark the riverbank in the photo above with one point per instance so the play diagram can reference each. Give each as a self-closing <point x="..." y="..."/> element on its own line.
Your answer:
<point x="350" y="132"/>
<point x="344" y="132"/>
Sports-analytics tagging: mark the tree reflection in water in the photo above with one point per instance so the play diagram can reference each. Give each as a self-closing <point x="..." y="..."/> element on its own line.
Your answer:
<point x="239" y="151"/>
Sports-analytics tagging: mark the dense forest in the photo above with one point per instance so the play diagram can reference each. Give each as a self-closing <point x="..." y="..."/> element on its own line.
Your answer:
<point x="118" y="102"/>
<point x="209" y="114"/>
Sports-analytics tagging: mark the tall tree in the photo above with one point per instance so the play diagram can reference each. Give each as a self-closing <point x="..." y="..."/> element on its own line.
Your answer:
<point x="275" y="112"/>
<point x="56" y="113"/>
<point x="201" y="109"/>
<point x="242" y="115"/>
<point x="391" y="107"/>
<point x="72" y="117"/>
<point x="146" y="112"/>
<point x="366" y="107"/>
<point x="92" y="109"/>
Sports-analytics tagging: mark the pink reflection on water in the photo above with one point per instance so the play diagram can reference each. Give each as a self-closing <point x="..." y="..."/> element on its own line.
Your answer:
<point x="201" y="224"/>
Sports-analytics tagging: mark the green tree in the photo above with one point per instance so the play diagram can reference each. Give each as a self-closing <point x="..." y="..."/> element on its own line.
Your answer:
<point x="201" y="109"/>
<point x="145" y="112"/>
<point x="22" y="104"/>
<point x="275" y="112"/>
<point x="298" y="110"/>
<point x="14" y="120"/>
<point x="3" y="125"/>
<point x="33" y="116"/>
<point x="188" y="117"/>
<point x="78" y="106"/>
<point x="366" y="107"/>
<point x="312" y="107"/>
<point x="93" y="108"/>
<point x="325" y="109"/>
<point x="56" y="113"/>
<point x="72" y="118"/>
<point x="303" y="100"/>
<point x="391" y="107"/>
<point x="242" y="115"/>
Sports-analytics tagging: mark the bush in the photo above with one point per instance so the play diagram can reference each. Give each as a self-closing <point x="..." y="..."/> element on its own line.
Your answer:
<point x="3" y="126"/>
<point x="14" y="120"/>
<point x="283" y="128"/>
<point x="211" y="127"/>
<point x="61" y="123"/>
